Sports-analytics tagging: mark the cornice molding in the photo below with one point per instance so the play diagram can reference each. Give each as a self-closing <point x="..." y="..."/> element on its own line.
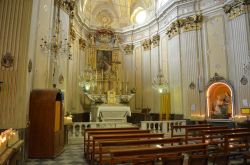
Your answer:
<point x="237" y="8"/>
<point x="186" y="24"/>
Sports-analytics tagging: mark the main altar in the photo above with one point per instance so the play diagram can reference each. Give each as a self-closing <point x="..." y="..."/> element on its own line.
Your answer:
<point x="104" y="82"/>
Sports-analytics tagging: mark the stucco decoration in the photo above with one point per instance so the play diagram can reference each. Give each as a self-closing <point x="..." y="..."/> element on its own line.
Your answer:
<point x="67" y="6"/>
<point x="7" y="60"/>
<point x="243" y="80"/>
<point x="104" y="35"/>
<point x="189" y="23"/>
<point x="30" y="66"/>
<point x="82" y="43"/>
<point x="237" y="8"/>
<point x="128" y="49"/>
<point x="156" y="40"/>
<point x="104" y="18"/>
<point x="146" y="44"/>
<point x="216" y="78"/>
<point x="72" y="32"/>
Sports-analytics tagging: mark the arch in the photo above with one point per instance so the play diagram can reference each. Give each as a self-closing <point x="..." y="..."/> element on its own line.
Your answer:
<point x="220" y="99"/>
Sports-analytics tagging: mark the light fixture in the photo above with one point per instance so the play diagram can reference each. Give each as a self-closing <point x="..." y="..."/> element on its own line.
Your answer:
<point x="56" y="45"/>
<point x="87" y="80"/>
<point x="159" y="83"/>
<point x="141" y="17"/>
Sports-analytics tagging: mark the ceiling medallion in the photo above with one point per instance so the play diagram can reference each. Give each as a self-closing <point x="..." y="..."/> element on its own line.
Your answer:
<point x="243" y="80"/>
<point x="7" y="60"/>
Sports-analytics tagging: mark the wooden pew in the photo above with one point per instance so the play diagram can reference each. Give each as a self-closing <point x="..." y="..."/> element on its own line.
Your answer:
<point x="109" y="137"/>
<point x="121" y="132"/>
<point x="103" y="130"/>
<point x="105" y="146"/>
<point x="216" y="137"/>
<point x="197" y="131"/>
<point x="237" y="141"/>
<point x="176" y="127"/>
<point x="134" y="155"/>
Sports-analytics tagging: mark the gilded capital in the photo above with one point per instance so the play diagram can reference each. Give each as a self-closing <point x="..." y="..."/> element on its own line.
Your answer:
<point x="72" y="32"/>
<point x="156" y="40"/>
<point x="129" y="48"/>
<point x="237" y="8"/>
<point x="146" y="44"/>
<point x="67" y="5"/>
<point x="82" y="43"/>
<point x="189" y="23"/>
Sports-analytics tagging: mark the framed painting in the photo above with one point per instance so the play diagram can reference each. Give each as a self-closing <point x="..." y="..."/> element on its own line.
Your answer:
<point x="103" y="60"/>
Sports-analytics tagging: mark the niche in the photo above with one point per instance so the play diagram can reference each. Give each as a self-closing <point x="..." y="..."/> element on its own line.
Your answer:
<point x="219" y="99"/>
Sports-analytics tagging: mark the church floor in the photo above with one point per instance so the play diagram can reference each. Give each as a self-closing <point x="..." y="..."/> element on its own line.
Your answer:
<point x="73" y="155"/>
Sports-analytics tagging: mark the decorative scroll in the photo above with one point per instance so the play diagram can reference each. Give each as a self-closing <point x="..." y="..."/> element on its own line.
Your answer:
<point x="72" y="32"/>
<point x="156" y="40"/>
<point x="146" y="44"/>
<point x="237" y="8"/>
<point x="189" y="23"/>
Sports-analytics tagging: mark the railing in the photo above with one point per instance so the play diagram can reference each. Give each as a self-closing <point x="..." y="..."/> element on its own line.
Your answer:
<point x="76" y="131"/>
<point x="163" y="126"/>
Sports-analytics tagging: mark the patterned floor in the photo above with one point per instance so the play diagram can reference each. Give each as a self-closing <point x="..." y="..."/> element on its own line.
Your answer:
<point x="73" y="155"/>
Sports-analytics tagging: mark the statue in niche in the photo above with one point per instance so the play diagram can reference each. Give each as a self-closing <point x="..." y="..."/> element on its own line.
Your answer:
<point x="221" y="106"/>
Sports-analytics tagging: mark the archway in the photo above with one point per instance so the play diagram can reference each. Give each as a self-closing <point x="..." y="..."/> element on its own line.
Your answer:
<point x="220" y="100"/>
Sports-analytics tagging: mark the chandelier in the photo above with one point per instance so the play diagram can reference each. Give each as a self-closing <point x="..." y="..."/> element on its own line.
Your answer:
<point x="159" y="83"/>
<point x="56" y="44"/>
<point x="87" y="80"/>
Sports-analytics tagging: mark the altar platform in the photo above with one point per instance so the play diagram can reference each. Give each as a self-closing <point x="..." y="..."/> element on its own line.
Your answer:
<point x="111" y="113"/>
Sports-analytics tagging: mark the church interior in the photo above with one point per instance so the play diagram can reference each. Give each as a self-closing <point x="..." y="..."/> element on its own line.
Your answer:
<point x="106" y="82"/>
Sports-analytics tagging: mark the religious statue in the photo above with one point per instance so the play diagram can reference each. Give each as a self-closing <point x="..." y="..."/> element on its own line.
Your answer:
<point x="221" y="106"/>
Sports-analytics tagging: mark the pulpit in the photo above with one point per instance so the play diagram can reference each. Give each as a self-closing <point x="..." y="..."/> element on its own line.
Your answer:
<point x="112" y="113"/>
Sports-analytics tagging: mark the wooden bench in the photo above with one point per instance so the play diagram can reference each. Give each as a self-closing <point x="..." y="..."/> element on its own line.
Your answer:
<point x="105" y="146"/>
<point x="237" y="141"/>
<point x="103" y="130"/>
<point x="96" y="138"/>
<point x="134" y="155"/>
<point x="120" y="132"/>
<point x="12" y="154"/>
<point x="196" y="132"/>
<point x="179" y="127"/>
<point x="216" y="137"/>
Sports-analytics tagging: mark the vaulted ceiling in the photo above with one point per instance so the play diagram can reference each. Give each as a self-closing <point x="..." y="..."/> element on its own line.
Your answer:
<point x="115" y="14"/>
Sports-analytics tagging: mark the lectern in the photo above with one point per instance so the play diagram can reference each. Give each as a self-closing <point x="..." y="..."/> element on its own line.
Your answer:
<point x="46" y="136"/>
